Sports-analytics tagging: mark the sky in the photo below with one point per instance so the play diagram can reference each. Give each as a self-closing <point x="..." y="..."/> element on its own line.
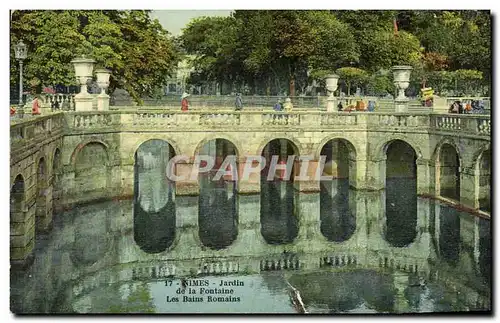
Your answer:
<point x="175" y="20"/>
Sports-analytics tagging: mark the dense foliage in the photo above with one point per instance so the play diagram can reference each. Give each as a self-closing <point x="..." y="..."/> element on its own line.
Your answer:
<point x="136" y="48"/>
<point x="261" y="51"/>
<point x="277" y="51"/>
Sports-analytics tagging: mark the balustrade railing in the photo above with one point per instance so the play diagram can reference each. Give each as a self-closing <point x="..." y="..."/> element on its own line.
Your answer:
<point x="35" y="129"/>
<point x="219" y="119"/>
<point x="25" y="130"/>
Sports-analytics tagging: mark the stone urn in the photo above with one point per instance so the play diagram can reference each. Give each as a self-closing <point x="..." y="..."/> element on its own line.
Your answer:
<point x="401" y="79"/>
<point x="103" y="75"/>
<point x="83" y="72"/>
<point x="331" y="85"/>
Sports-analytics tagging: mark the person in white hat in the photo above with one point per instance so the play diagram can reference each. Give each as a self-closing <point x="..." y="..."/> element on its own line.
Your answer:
<point x="184" y="102"/>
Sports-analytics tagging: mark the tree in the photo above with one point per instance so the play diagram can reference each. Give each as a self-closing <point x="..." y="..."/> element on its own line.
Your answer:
<point x="352" y="76"/>
<point x="213" y="42"/>
<point x="134" y="47"/>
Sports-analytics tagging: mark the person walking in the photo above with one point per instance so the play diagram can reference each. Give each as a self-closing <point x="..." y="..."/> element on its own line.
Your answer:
<point x="35" y="106"/>
<point x="239" y="102"/>
<point x="184" y="102"/>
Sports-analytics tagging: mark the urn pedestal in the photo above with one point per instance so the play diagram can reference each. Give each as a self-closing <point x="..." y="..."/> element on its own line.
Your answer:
<point x="401" y="81"/>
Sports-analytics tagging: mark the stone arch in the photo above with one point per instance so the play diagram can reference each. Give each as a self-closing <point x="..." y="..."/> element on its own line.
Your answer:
<point x="296" y="144"/>
<point x="448" y="141"/>
<point x="92" y="164"/>
<point x="341" y="168"/>
<point x="401" y="216"/>
<point x="413" y="167"/>
<point x="154" y="207"/>
<point x="170" y="141"/>
<point x="447" y="172"/>
<point x="380" y="150"/>
<point x="17" y="195"/>
<point x="214" y="136"/>
<point x="83" y="144"/>
<point x="348" y="141"/>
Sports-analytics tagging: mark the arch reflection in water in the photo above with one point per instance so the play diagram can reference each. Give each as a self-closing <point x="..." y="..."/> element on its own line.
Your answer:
<point x="337" y="212"/>
<point x="217" y="212"/>
<point x="401" y="194"/>
<point x="485" y="250"/>
<point x="449" y="233"/>
<point x="279" y="224"/>
<point x="154" y="195"/>
<point x="91" y="238"/>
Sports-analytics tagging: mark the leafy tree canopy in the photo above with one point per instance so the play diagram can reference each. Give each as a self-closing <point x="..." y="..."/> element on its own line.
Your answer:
<point x="136" y="48"/>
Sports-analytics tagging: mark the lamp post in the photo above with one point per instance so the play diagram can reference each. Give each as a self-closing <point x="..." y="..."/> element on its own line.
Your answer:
<point x="20" y="52"/>
<point x="83" y="72"/>
<point x="103" y="82"/>
<point x="331" y="85"/>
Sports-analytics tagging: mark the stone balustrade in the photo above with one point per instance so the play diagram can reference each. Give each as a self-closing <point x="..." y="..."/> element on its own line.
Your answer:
<point x="26" y="131"/>
<point x="465" y="124"/>
<point x="133" y="120"/>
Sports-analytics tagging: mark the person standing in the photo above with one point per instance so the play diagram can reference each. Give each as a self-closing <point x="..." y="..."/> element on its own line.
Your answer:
<point x="35" y="109"/>
<point x="239" y="102"/>
<point x="288" y="106"/>
<point x="277" y="106"/>
<point x="184" y="102"/>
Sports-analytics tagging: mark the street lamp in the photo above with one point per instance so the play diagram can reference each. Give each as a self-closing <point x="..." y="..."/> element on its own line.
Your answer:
<point x="21" y="52"/>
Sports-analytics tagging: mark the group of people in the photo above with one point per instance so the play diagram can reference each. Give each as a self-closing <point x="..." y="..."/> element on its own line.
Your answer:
<point x="279" y="106"/>
<point x="360" y="106"/>
<point x="35" y="108"/>
<point x="476" y="106"/>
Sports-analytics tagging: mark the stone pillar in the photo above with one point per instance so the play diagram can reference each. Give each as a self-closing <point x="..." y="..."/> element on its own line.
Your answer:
<point x="44" y="207"/>
<point x="251" y="184"/>
<point x="186" y="185"/>
<point x="308" y="211"/>
<point x="83" y="102"/>
<point x="22" y="233"/>
<point x="188" y="244"/>
<point x="469" y="187"/>
<point x="330" y="104"/>
<point x="249" y="241"/>
<point x="401" y="104"/>
<point x="103" y="102"/>
<point x="306" y="175"/>
<point x="437" y="227"/>
<point x="424" y="182"/>
<point x="369" y="174"/>
<point x="401" y="304"/>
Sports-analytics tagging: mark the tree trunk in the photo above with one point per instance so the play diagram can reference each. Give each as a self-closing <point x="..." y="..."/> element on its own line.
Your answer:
<point x="292" y="80"/>
<point x="348" y="89"/>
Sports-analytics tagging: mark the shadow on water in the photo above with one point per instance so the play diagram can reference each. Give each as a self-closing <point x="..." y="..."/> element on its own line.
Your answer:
<point x="346" y="291"/>
<point x="154" y="232"/>
<point x="154" y="194"/>
<point x="401" y="211"/>
<point x="218" y="221"/>
<point x="337" y="212"/>
<point x="449" y="237"/>
<point x="279" y="224"/>
<point x="485" y="250"/>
